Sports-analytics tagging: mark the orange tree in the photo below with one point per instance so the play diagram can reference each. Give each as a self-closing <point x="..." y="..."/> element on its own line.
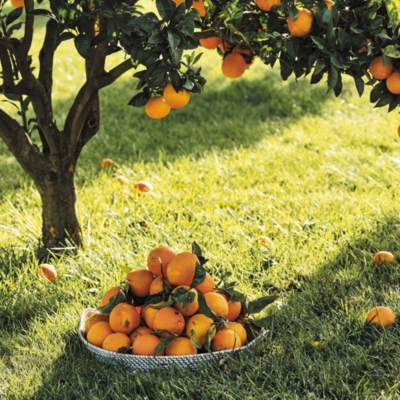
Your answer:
<point x="312" y="38"/>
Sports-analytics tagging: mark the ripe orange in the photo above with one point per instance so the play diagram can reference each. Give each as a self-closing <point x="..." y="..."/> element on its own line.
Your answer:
<point x="157" y="108"/>
<point x="163" y="253"/>
<point x="139" y="331"/>
<point x="159" y="285"/>
<point x="210" y="43"/>
<point x="169" y="319"/>
<point x="225" y="339"/>
<point x="234" y="65"/>
<point x="98" y="332"/>
<point x="124" y="318"/>
<point x="378" y="70"/>
<point x="234" y="308"/>
<point x="398" y="130"/>
<point x="17" y="3"/>
<point x="176" y="99"/>
<point x="149" y="312"/>
<point x="143" y="186"/>
<point x="329" y="4"/>
<point x="217" y="303"/>
<point x="110" y="293"/>
<point x="266" y="5"/>
<point x="208" y="285"/>
<point x="383" y="257"/>
<point x="182" y="268"/>
<point x="47" y="271"/>
<point x="181" y="346"/>
<point x="192" y="307"/>
<point x="107" y="163"/>
<point x="139" y="281"/>
<point x="238" y="329"/>
<point x="93" y="319"/>
<point x="199" y="6"/>
<point x="178" y="2"/>
<point x="116" y="341"/>
<point x="381" y="316"/>
<point x="303" y="24"/>
<point x="145" y="345"/>
<point x="197" y="327"/>
<point x="393" y="82"/>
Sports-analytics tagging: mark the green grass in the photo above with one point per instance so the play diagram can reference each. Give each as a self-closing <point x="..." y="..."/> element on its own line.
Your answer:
<point x="246" y="158"/>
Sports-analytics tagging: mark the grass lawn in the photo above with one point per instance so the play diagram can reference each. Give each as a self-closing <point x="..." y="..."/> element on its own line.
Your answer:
<point x="256" y="156"/>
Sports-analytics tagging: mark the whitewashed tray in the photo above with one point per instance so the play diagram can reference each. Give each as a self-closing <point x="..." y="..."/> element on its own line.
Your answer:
<point x="146" y="363"/>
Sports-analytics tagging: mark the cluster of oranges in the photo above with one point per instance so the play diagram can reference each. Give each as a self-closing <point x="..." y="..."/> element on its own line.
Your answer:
<point x="159" y="107"/>
<point x="173" y="307"/>
<point x="381" y="71"/>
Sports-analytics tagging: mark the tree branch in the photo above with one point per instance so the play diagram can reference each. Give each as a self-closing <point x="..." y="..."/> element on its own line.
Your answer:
<point x="8" y="76"/>
<point x="20" y="144"/>
<point x="28" y="35"/>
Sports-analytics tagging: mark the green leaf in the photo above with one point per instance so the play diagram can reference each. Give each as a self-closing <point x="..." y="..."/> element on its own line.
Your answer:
<point x="157" y="37"/>
<point x="257" y="305"/>
<point x="43" y="13"/>
<point x="333" y="77"/>
<point x="196" y="343"/>
<point x="292" y="46"/>
<point x="377" y="91"/>
<point x="207" y="344"/>
<point x="162" y="345"/>
<point x="187" y="25"/>
<point x="139" y="100"/>
<point x="14" y="15"/>
<point x="391" y="51"/>
<point x="344" y="40"/>
<point x="336" y="59"/>
<point x="262" y="322"/>
<point x="165" y="8"/>
<point x="82" y="44"/>
<point x="321" y="44"/>
<point x="199" y="275"/>
<point x="173" y="39"/>
<point x="359" y="85"/>
<point x="153" y="299"/>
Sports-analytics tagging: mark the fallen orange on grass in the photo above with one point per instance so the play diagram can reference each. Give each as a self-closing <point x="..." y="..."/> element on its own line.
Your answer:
<point x="383" y="257"/>
<point x="382" y="317"/>
<point x="48" y="271"/>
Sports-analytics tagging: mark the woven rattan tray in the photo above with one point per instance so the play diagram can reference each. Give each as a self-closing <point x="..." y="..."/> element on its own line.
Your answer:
<point x="146" y="363"/>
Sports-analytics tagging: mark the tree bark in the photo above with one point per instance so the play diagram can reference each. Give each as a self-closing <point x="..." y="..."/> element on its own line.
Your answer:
<point x="60" y="225"/>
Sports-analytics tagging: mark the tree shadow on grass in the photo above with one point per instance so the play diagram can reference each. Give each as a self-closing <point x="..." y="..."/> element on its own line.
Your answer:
<point x="318" y="347"/>
<point x="239" y="115"/>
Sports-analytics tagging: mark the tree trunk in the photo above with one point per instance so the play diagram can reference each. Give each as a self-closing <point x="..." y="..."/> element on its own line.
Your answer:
<point x="61" y="229"/>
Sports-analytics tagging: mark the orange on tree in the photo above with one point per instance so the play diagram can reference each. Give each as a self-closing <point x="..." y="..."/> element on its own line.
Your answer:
<point x="199" y="6"/>
<point x="182" y="268"/>
<point x="382" y="317"/>
<point x="149" y="312"/>
<point x="160" y="284"/>
<point x="139" y="331"/>
<point x="198" y="326"/>
<point x="378" y="70"/>
<point x="124" y="318"/>
<point x="383" y="257"/>
<point x="225" y="339"/>
<point x="192" y="307"/>
<point x="117" y="341"/>
<point x="393" y="82"/>
<point x="178" y="2"/>
<point x="233" y="65"/>
<point x="157" y="108"/>
<point x="217" y="303"/>
<point x="302" y="25"/>
<point x="98" y="332"/>
<point x="239" y="329"/>
<point x="176" y="99"/>
<point x="329" y="4"/>
<point x="139" y="281"/>
<point x="208" y="285"/>
<point x="180" y="346"/>
<point x="266" y="5"/>
<point x="159" y="258"/>
<point x="211" y="42"/>
<point x="145" y="345"/>
<point x="18" y="3"/>
<point x="169" y="319"/>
